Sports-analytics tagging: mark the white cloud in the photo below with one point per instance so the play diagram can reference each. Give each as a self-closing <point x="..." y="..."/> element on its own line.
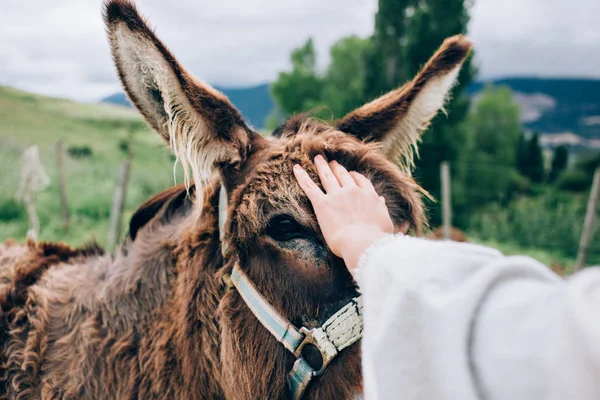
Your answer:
<point x="59" y="48"/>
<point x="537" y="37"/>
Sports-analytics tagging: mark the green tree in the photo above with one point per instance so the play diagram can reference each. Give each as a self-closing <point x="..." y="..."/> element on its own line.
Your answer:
<point x="300" y="89"/>
<point x="530" y="158"/>
<point x="385" y="58"/>
<point x="589" y="163"/>
<point x="580" y="177"/>
<point x="340" y="89"/>
<point x="495" y="124"/>
<point x="492" y="156"/>
<point x="344" y="81"/>
<point x="522" y="155"/>
<point x="430" y="22"/>
<point x="535" y="159"/>
<point x="560" y="160"/>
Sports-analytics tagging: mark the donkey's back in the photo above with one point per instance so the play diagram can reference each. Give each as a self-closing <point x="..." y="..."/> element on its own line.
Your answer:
<point x="49" y="321"/>
<point x="21" y="265"/>
<point x="10" y="254"/>
<point x="81" y="323"/>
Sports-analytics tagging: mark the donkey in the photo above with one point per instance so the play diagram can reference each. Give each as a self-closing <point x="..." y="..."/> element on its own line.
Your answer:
<point x="166" y="316"/>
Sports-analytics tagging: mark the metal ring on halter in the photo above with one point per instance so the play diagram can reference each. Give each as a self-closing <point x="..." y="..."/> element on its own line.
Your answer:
<point x="317" y="338"/>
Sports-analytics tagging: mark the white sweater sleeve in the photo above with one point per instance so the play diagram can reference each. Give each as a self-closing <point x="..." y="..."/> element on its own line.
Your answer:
<point x="447" y="320"/>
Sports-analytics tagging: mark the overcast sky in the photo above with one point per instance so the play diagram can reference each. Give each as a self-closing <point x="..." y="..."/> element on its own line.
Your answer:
<point x="59" y="48"/>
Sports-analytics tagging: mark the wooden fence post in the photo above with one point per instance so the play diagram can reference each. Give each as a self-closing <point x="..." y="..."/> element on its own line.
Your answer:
<point x="33" y="230"/>
<point x="446" y="200"/>
<point x="62" y="185"/>
<point x="118" y="204"/>
<point x="33" y="179"/>
<point x="588" y="225"/>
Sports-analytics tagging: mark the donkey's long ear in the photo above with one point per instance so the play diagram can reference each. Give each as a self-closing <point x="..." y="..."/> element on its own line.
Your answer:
<point x="398" y="118"/>
<point x="198" y="122"/>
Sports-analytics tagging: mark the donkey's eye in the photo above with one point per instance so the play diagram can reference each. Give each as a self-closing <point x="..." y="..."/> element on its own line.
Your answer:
<point x="283" y="228"/>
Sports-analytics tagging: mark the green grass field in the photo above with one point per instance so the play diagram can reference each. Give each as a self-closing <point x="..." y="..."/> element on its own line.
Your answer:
<point x="27" y="119"/>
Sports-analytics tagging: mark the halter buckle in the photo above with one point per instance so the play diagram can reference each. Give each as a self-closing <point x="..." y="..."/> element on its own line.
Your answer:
<point x="319" y="339"/>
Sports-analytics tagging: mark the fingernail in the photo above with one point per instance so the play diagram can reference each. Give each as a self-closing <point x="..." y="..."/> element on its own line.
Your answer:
<point x="297" y="167"/>
<point x="333" y="162"/>
<point x="320" y="158"/>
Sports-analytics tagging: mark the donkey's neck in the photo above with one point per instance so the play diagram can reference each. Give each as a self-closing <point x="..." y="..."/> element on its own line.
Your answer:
<point x="197" y="293"/>
<point x="169" y="278"/>
<point x="199" y="290"/>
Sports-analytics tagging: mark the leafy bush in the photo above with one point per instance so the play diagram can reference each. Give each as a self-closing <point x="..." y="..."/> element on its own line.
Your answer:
<point x="589" y="164"/>
<point x="11" y="210"/>
<point x="518" y="184"/>
<point x="552" y="221"/>
<point x="80" y="151"/>
<point x="575" y="180"/>
<point x="125" y="146"/>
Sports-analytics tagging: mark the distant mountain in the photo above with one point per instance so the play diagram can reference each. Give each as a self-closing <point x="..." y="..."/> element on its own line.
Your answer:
<point x="254" y="102"/>
<point x="549" y="106"/>
<point x="118" y="99"/>
<point x="555" y="106"/>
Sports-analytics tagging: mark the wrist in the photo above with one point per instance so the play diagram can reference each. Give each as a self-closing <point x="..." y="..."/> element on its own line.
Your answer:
<point x="357" y="242"/>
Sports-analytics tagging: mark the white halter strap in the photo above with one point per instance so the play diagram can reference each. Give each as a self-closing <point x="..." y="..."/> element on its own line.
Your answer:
<point x="341" y="330"/>
<point x="222" y="218"/>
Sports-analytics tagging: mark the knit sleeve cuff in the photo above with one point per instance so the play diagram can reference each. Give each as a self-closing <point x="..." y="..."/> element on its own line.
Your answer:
<point x="373" y="248"/>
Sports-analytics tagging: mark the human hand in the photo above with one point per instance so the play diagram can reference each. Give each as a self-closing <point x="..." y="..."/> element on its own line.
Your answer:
<point x="351" y="214"/>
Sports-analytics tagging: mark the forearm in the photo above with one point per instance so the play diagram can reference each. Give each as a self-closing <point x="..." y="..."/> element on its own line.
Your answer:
<point x="457" y="321"/>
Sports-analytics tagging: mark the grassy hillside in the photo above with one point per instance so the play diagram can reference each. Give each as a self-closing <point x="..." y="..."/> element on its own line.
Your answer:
<point x="27" y="119"/>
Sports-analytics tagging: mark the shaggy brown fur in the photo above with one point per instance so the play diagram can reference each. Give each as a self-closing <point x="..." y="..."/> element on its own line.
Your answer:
<point x="155" y="321"/>
<point x="456" y="235"/>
